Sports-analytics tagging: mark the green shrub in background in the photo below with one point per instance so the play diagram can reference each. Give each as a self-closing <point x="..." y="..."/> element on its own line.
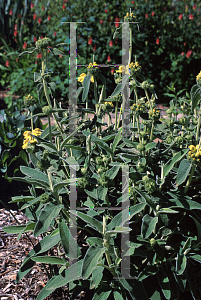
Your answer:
<point x="166" y="44"/>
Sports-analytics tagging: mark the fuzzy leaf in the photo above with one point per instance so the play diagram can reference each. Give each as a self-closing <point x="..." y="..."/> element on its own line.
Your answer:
<point x="91" y="260"/>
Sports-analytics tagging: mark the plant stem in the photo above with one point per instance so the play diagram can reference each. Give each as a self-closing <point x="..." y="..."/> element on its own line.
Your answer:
<point x="189" y="179"/>
<point x="50" y="131"/>
<point x="32" y="119"/>
<point x="198" y="129"/>
<point x="119" y="116"/>
<point x="116" y="110"/>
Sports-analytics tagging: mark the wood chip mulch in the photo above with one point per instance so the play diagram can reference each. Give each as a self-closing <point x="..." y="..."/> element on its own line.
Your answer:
<point x="12" y="254"/>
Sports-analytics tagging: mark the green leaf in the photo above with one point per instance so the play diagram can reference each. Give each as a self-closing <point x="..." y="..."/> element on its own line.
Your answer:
<point x="125" y="80"/>
<point x="97" y="225"/>
<point x="116" y="140"/>
<point x="195" y="94"/>
<point x="195" y="257"/>
<point x="170" y="164"/>
<point x="68" y="243"/>
<point x="97" y="276"/>
<point x="118" y="295"/>
<point x="198" y="225"/>
<point x="164" y="283"/>
<point x="135" y="288"/>
<point x="69" y="137"/>
<point x="90" y="260"/>
<point x="101" y="144"/>
<point x="183" y="171"/>
<point x="86" y="85"/>
<point x="45" y="244"/>
<point x="49" y="212"/>
<point x="102" y="293"/>
<point x="118" y="230"/>
<point x="30" y="203"/>
<point x="117" y="90"/>
<point x="70" y="274"/>
<point x="56" y="51"/>
<point x="80" y="89"/>
<point x="147" y="271"/>
<point x="192" y="280"/>
<point x="35" y="174"/>
<point x="32" y="181"/>
<point x="181" y="262"/>
<point x="21" y="199"/>
<point x="151" y="145"/>
<point x="72" y="162"/>
<point x="49" y="146"/>
<point x="112" y="173"/>
<point x="49" y="260"/>
<point x="147" y="199"/>
<point x="148" y="225"/>
<point x="117" y="220"/>
<point x="14" y="229"/>
<point x="94" y="241"/>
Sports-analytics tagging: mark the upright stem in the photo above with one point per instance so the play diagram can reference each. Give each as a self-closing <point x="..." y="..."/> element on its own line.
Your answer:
<point x="189" y="179"/>
<point x="50" y="129"/>
<point x="87" y="105"/>
<point x="198" y="129"/>
<point x="119" y="116"/>
<point x="32" y="119"/>
<point x="116" y="110"/>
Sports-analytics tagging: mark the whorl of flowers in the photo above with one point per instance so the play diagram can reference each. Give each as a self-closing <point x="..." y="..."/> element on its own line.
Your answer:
<point x="28" y="139"/>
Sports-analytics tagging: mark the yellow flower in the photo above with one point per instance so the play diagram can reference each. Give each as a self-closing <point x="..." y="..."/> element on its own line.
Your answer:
<point x="82" y="76"/>
<point x="36" y="132"/>
<point x="197" y="154"/>
<point x="192" y="148"/>
<point x="92" y="65"/>
<point x="123" y="69"/>
<point x="198" y="77"/>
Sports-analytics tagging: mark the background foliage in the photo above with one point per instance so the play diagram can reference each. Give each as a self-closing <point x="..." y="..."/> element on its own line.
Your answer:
<point x="166" y="44"/>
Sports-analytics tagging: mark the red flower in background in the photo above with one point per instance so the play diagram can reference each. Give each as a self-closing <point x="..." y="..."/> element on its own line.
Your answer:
<point x="90" y="41"/>
<point x="24" y="45"/>
<point x="146" y="16"/>
<point x="157" y="41"/>
<point x="39" y="55"/>
<point x="65" y="0"/>
<point x="194" y="6"/>
<point x="101" y="22"/>
<point x="34" y="16"/>
<point x="19" y="16"/>
<point x="15" y="26"/>
<point x="132" y="2"/>
<point x="112" y="71"/>
<point x="116" y="40"/>
<point x="180" y="16"/>
<point x="153" y="13"/>
<point x="60" y="55"/>
<point x="188" y="54"/>
<point x="16" y="59"/>
<point x="35" y="39"/>
<point x="108" y="58"/>
<point x="10" y="12"/>
<point x="117" y="20"/>
<point x="190" y="17"/>
<point x="94" y="48"/>
<point x="184" y="44"/>
<point x="7" y="63"/>
<point x="110" y="43"/>
<point x="32" y="5"/>
<point x="55" y="33"/>
<point x="43" y="8"/>
<point x="15" y="33"/>
<point x="165" y="8"/>
<point x="182" y="53"/>
<point x="106" y="10"/>
<point x="48" y="18"/>
<point x="41" y="37"/>
<point x="39" y="20"/>
<point x="64" y="6"/>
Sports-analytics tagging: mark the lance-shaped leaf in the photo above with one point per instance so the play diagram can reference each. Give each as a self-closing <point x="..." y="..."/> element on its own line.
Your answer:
<point x="70" y="274"/>
<point x="49" y="212"/>
<point x="97" y="275"/>
<point x="181" y="263"/>
<point x="170" y="164"/>
<point x="90" y="260"/>
<point x="45" y="244"/>
<point x="183" y="171"/>
<point x="34" y="174"/>
<point x="102" y="293"/>
<point x="68" y="243"/>
<point x="195" y="96"/>
<point x="148" y="225"/>
<point x="135" y="288"/>
<point x="86" y="85"/>
<point x="117" y="220"/>
<point x="53" y="260"/>
<point x="117" y="90"/>
<point x="95" y="224"/>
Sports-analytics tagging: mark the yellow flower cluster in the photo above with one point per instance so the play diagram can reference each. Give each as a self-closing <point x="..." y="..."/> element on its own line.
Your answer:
<point x="154" y="114"/>
<point x="134" y="67"/>
<point x="110" y="103"/>
<point x="29" y="139"/>
<point x="82" y="76"/>
<point x="194" y="153"/>
<point x="198" y="77"/>
<point x="128" y="17"/>
<point x="92" y="65"/>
